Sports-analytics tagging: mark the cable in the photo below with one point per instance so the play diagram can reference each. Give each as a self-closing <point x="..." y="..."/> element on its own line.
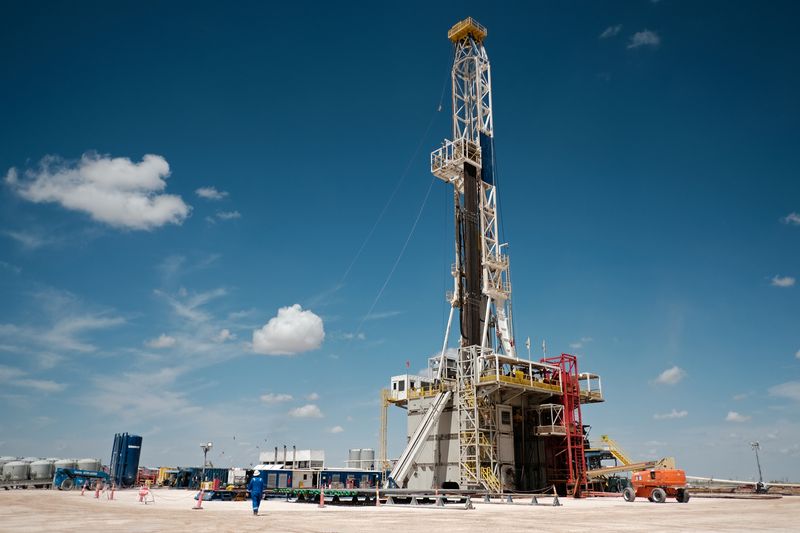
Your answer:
<point x="399" y="257"/>
<point x="403" y="176"/>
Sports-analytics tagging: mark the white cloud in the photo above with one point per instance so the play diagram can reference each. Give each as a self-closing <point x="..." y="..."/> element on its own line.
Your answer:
<point x="224" y="335"/>
<point x="292" y="331"/>
<point x="336" y="429"/>
<point x="18" y="378"/>
<point x="41" y="385"/>
<point x="671" y="376"/>
<point x="672" y="414"/>
<point x="733" y="416"/>
<point x="782" y="281"/>
<point x="188" y="306"/>
<point x="210" y="193"/>
<point x="162" y="341"/>
<point x="8" y="266"/>
<point x="581" y="343"/>
<point x="790" y="390"/>
<point x="115" y="191"/>
<point x="228" y="215"/>
<point x="312" y="397"/>
<point x="29" y="240"/>
<point x="611" y="31"/>
<point x="356" y="336"/>
<point x="272" y="397"/>
<point x="797" y="354"/>
<point x="382" y="315"/>
<point x="792" y="218"/>
<point x="307" y="411"/>
<point x="644" y="38"/>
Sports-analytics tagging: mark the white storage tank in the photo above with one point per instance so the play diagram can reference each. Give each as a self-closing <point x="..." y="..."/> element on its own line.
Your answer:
<point x="89" y="464"/>
<point x="16" y="471"/>
<point x="66" y="463"/>
<point x="354" y="459"/>
<point x="42" y="470"/>
<point x="367" y="458"/>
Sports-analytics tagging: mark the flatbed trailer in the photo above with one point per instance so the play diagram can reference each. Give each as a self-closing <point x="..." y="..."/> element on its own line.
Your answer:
<point x="27" y="484"/>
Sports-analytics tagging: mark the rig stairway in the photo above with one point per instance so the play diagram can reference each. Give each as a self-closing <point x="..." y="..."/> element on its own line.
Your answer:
<point x="418" y="439"/>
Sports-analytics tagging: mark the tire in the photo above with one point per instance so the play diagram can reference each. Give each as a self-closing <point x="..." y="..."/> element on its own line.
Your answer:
<point x="659" y="496"/>
<point x="67" y="484"/>
<point x="683" y="496"/>
<point x="629" y="494"/>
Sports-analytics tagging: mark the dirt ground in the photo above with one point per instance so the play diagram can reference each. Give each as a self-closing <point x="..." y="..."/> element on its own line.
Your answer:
<point x="48" y="510"/>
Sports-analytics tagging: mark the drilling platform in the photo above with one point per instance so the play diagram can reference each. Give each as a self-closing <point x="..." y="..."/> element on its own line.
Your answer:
<point x="483" y="418"/>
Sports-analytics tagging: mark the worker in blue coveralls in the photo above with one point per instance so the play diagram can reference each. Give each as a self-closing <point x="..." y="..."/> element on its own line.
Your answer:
<point x="256" y="488"/>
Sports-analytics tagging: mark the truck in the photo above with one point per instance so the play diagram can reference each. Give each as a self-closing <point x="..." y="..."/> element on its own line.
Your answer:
<point x="657" y="485"/>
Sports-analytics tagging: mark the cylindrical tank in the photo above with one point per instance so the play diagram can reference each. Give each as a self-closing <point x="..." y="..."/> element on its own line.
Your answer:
<point x="65" y="463"/>
<point x="89" y="464"/>
<point x="16" y="471"/>
<point x="367" y="458"/>
<point x="354" y="459"/>
<point x="42" y="470"/>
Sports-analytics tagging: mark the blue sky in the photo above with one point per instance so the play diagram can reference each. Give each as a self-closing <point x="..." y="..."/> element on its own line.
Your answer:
<point x="648" y="163"/>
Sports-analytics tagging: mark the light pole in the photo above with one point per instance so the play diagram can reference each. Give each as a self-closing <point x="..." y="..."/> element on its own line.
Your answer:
<point x="760" y="486"/>
<point x="205" y="447"/>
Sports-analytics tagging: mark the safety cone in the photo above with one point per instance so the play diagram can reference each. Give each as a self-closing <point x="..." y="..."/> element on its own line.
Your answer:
<point x="199" y="501"/>
<point x="321" y="497"/>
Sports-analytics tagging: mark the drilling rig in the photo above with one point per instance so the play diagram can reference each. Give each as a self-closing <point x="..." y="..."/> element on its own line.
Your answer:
<point x="482" y="418"/>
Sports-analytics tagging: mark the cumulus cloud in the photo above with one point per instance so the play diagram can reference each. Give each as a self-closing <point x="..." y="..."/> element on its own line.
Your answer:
<point x="789" y="390"/>
<point x="224" y="335"/>
<point x="733" y="416"/>
<point x="210" y="193"/>
<point x="792" y="218"/>
<point x="272" y="397"/>
<point x="115" y="191"/>
<point x="312" y="397"/>
<point x="307" y="411"/>
<point x="162" y="341"/>
<point x="292" y="331"/>
<point x="782" y="281"/>
<point x="611" y="31"/>
<point x="336" y="429"/>
<point x="671" y="376"/>
<point x="644" y="38"/>
<point x="797" y="355"/>
<point x="672" y="414"/>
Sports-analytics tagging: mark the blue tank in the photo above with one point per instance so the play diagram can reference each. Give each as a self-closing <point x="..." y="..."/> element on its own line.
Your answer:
<point x="125" y="459"/>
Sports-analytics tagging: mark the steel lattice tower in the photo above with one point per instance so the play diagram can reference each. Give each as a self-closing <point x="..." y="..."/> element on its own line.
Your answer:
<point x="482" y="287"/>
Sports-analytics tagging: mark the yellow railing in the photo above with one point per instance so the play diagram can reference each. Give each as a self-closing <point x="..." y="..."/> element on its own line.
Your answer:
<point x="523" y="381"/>
<point x="492" y="483"/>
<point x="615" y="450"/>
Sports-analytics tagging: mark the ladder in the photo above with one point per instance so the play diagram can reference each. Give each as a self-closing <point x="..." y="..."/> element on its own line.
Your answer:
<point x="417" y="441"/>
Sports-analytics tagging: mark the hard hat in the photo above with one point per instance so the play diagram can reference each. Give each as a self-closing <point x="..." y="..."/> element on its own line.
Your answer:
<point x="257" y="473"/>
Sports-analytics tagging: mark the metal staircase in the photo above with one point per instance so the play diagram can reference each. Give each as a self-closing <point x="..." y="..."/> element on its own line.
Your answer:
<point x="417" y="441"/>
<point x="476" y="428"/>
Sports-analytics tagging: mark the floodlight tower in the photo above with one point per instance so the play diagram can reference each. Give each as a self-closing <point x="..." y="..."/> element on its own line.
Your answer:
<point x="481" y="280"/>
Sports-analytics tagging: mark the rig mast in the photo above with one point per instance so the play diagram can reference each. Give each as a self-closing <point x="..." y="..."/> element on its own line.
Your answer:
<point x="481" y="280"/>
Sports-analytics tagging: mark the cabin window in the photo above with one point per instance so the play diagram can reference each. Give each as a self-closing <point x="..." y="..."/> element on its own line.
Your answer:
<point x="505" y="418"/>
<point x="401" y="386"/>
